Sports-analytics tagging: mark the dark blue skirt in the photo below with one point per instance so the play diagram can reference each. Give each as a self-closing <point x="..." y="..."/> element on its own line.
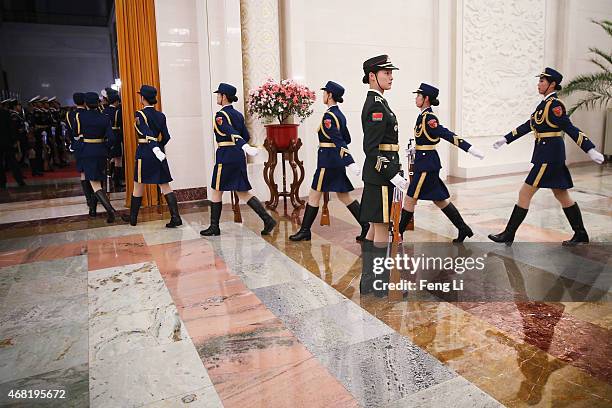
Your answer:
<point x="550" y="175"/>
<point x="151" y="171"/>
<point x="230" y="177"/>
<point x="332" y="179"/>
<point x="427" y="185"/>
<point x="93" y="167"/>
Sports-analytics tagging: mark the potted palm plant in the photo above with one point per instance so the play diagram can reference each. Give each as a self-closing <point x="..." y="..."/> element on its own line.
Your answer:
<point x="597" y="86"/>
<point x="281" y="101"/>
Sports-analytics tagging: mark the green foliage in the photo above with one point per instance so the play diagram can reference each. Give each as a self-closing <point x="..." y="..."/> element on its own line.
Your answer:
<point x="597" y="87"/>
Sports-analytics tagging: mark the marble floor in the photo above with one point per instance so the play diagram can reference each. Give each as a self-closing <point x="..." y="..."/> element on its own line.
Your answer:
<point x="121" y="316"/>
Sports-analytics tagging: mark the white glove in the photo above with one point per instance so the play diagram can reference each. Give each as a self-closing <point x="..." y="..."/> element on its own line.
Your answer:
<point x="596" y="156"/>
<point x="499" y="143"/>
<point x="400" y="182"/>
<point x="159" y="154"/>
<point x="476" y="153"/>
<point x="355" y="169"/>
<point x="250" y="150"/>
<point x="43" y="133"/>
<point x="410" y="151"/>
<point x="53" y="130"/>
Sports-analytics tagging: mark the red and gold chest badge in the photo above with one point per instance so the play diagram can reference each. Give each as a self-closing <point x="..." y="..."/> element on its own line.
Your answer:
<point x="377" y="117"/>
<point x="432" y="123"/>
<point x="327" y="123"/>
<point x="558" y="111"/>
<point x="219" y="120"/>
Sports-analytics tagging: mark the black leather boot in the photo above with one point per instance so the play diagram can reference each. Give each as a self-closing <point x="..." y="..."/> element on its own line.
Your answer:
<point x="310" y="213"/>
<point x="381" y="278"/>
<point x="404" y="221"/>
<point x="90" y="197"/>
<point x="110" y="211"/>
<point x="355" y="209"/>
<point x="367" y="275"/>
<point x="453" y="215"/>
<point x="269" y="222"/>
<point x="215" y="216"/>
<point x="575" y="219"/>
<point x="175" y="217"/>
<point x="507" y="235"/>
<point x="135" y="203"/>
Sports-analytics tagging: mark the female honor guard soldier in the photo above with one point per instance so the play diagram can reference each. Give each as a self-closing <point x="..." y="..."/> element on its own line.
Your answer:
<point x="97" y="137"/>
<point x="549" y="169"/>
<point x="76" y="146"/>
<point x="151" y="166"/>
<point x="230" y="172"/>
<point x="333" y="157"/>
<point x="381" y="169"/>
<point x="113" y="111"/>
<point x="426" y="183"/>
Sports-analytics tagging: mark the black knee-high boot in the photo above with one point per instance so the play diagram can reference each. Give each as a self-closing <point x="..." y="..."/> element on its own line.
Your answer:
<point x="215" y="216"/>
<point x="507" y="235"/>
<point x="175" y="217"/>
<point x="355" y="209"/>
<point x="405" y="220"/>
<point x="310" y="213"/>
<point x="575" y="219"/>
<point x="135" y="203"/>
<point x="110" y="211"/>
<point x="90" y="197"/>
<point x="367" y="275"/>
<point x="453" y="215"/>
<point x="269" y="222"/>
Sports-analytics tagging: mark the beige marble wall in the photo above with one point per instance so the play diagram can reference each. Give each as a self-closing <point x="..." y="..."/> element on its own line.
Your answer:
<point x="261" y="59"/>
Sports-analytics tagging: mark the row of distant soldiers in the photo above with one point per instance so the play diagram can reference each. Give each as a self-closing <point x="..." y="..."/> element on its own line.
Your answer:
<point x="38" y="137"/>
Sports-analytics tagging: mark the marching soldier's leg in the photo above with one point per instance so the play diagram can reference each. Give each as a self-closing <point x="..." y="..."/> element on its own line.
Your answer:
<point x="255" y="204"/>
<point x="92" y="201"/>
<point x="407" y="214"/>
<point x="175" y="217"/>
<point x="111" y="213"/>
<point x="518" y="215"/>
<point x="575" y="219"/>
<point x="572" y="212"/>
<point x="310" y="214"/>
<point x="355" y="209"/>
<point x="455" y="217"/>
<point x="215" y="214"/>
<point x="507" y="235"/>
<point x="135" y="203"/>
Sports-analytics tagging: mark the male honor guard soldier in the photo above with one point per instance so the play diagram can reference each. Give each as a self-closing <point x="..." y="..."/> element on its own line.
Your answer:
<point x="75" y="135"/>
<point x="548" y="159"/>
<point x="8" y="142"/>
<point x="230" y="172"/>
<point x="333" y="158"/>
<point x="426" y="183"/>
<point x="151" y="166"/>
<point x="37" y="145"/>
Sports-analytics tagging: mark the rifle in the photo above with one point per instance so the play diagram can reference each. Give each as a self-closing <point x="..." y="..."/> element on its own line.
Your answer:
<point x="411" y="157"/>
<point x="236" y="207"/>
<point x="325" y="212"/>
<point x="394" y="241"/>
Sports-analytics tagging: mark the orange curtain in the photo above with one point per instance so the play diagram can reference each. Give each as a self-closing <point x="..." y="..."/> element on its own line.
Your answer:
<point x="137" y="47"/>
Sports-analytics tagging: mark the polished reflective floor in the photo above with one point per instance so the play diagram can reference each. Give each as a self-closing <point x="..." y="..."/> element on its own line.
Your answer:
<point x="121" y="316"/>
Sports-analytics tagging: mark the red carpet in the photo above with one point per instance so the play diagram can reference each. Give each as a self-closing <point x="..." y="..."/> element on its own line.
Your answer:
<point x="56" y="174"/>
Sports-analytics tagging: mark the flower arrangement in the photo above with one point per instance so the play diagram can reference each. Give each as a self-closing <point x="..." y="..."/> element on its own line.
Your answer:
<point x="281" y="100"/>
